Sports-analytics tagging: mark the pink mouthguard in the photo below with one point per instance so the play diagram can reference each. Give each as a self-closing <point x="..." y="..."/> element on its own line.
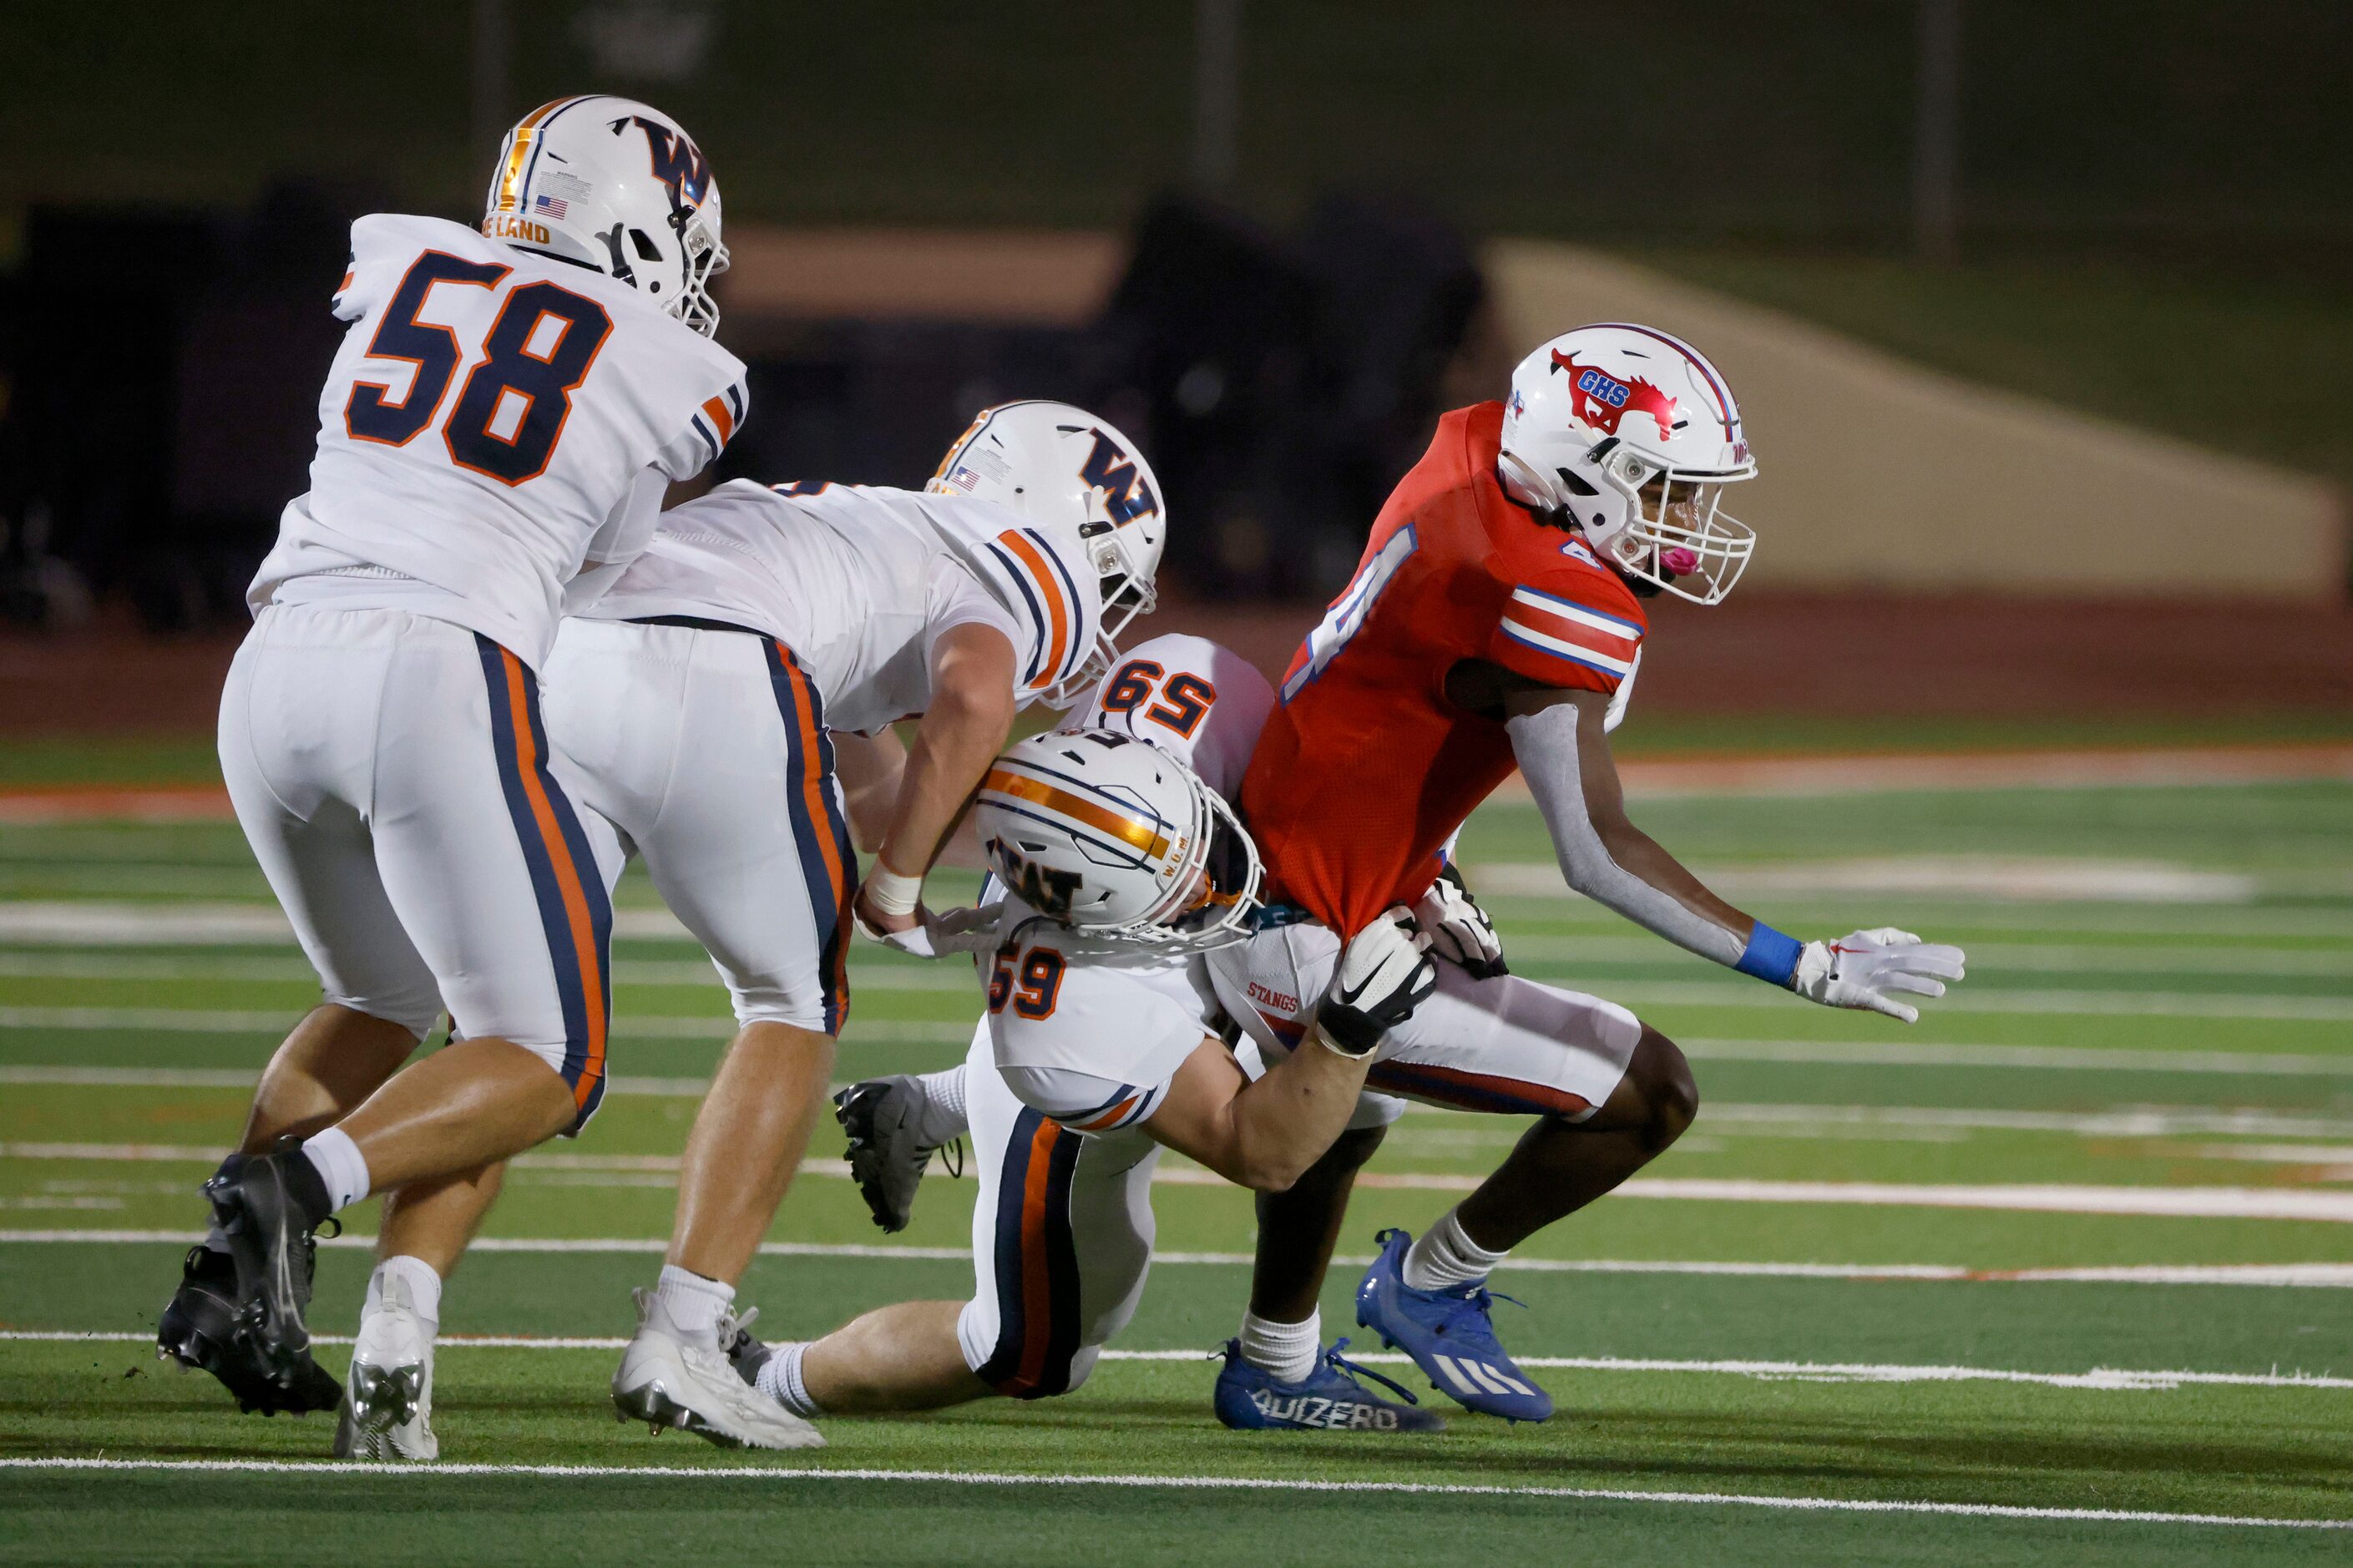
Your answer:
<point x="1679" y="560"/>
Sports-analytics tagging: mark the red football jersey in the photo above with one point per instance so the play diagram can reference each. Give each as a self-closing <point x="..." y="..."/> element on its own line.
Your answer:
<point x="1365" y="768"/>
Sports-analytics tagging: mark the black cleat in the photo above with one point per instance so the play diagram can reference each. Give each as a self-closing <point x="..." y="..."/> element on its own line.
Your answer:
<point x="885" y="1157"/>
<point x="269" y="1213"/>
<point x="198" y="1330"/>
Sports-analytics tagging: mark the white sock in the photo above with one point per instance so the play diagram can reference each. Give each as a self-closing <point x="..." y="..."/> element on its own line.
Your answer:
<point x="780" y="1380"/>
<point x="339" y="1165"/>
<point x="1286" y="1350"/>
<point x="943" y="1116"/>
<point x="423" y="1286"/>
<point x="693" y="1302"/>
<point x="1447" y="1259"/>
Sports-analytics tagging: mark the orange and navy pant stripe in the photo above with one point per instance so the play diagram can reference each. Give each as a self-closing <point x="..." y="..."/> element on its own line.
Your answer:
<point x="573" y="912"/>
<point x="1482" y="1091"/>
<point x="1036" y="1263"/>
<point x="828" y="856"/>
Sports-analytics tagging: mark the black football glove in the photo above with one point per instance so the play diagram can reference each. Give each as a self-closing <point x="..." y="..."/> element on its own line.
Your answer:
<point x="1385" y="970"/>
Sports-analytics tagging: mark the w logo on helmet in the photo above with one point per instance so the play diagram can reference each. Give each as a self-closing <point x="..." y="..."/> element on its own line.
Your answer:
<point x="1042" y="888"/>
<point x="678" y="163"/>
<point x="1125" y="495"/>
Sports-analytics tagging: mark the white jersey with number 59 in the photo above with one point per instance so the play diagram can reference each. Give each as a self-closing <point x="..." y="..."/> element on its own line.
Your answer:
<point x="496" y="423"/>
<point x="1093" y="1039"/>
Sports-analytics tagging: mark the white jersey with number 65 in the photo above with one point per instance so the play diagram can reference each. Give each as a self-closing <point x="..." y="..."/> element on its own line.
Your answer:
<point x="498" y="428"/>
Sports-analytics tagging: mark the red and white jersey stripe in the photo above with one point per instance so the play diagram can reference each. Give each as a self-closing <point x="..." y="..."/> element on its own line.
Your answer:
<point x="1591" y="641"/>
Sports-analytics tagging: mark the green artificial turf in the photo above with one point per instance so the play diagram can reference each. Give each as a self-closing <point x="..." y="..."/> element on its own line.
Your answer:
<point x="2195" y="1040"/>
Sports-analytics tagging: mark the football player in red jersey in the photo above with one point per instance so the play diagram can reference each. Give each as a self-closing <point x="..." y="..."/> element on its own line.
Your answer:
<point x="1496" y="621"/>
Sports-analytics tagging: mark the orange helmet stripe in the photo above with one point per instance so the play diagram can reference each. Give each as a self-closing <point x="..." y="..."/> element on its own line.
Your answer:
<point x="1126" y="829"/>
<point x="519" y="140"/>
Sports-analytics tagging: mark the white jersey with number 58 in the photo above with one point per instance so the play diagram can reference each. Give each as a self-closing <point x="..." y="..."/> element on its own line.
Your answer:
<point x="496" y="422"/>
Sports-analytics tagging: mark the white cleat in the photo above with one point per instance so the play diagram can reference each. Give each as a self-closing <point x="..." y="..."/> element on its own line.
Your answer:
<point x="387" y="1409"/>
<point x="671" y="1378"/>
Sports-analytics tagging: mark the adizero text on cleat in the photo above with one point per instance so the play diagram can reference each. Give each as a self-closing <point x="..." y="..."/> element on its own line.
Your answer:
<point x="886" y="1157"/>
<point x="1329" y="1399"/>
<point x="672" y="1378"/>
<point x="1449" y="1334"/>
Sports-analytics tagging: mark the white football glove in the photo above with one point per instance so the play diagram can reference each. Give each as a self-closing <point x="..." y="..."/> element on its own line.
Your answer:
<point x="1458" y="928"/>
<point x="1868" y="969"/>
<point x="1383" y="971"/>
<point x="938" y="936"/>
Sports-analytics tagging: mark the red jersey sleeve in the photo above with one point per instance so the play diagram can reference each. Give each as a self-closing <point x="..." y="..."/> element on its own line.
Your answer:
<point x="1567" y="625"/>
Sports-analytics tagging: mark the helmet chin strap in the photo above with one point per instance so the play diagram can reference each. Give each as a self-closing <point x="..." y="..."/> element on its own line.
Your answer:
<point x="1521" y="483"/>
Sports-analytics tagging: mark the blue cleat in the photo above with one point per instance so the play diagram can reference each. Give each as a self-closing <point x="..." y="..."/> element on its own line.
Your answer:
<point x="1449" y="1334"/>
<point x="1250" y="1398"/>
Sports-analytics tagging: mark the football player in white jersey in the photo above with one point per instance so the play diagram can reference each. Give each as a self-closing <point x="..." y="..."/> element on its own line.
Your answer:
<point x="1098" y="1050"/>
<point x="495" y="436"/>
<point x="767" y="636"/>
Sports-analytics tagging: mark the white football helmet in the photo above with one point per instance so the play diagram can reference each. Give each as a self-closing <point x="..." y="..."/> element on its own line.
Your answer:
<point x="1114" y="839"/>
<point x="1631" y="435"/>
<point x="1054" y="462"/>
<point x="619" y="186"/>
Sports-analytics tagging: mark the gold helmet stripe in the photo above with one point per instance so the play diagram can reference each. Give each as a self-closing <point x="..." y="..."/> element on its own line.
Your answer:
<point x="1036" y="792"/>
<point x="519" y="145"/>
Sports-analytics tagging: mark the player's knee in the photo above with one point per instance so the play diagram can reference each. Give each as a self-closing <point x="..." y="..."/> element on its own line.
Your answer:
<point x="1340" y="1162"/>
<point x="1669" y="1092"/>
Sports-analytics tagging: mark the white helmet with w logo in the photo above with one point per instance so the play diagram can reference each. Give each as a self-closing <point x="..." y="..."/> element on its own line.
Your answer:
<point x="619" y="186"/>
<point x="1116" y="839"/>
<point x="1630" y="435"/>
<point x="1062" y="466"/>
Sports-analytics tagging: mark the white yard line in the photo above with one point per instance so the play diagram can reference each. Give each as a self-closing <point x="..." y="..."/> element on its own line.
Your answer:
<point x="2269" y="1007"/>
<point x="2135" y="1121"/>
<point x="2159" y="768"/>
<point x="227" y="1021"/>
<point x="2274" y="1276"/>
<point x="2122" y="1121"/>
<point x="2204" y="1203"/>
<point x="1990" y="957"/>
<point x="1556" y="917"/>
<point x="1590" y="954"/>
<point x="37" y="965"/>
<point x="2108" y="1379"/>
<point x="243" y="1078"/>
<point x="2225" y="1203"/>
<point x="774" y="1474"/>
<point x="100" y="922"/>
<point x="1840" y="1053"/>
<point x="2048" y="1059"/>
<point x="2009" y="879"/>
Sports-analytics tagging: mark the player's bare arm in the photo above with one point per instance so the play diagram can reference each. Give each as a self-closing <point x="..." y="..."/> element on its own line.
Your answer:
<point x="971" y="714"/>
<point x="1558" y="739"/>
<point x="869" y="768"/>
<point x="1265" y="1135"/>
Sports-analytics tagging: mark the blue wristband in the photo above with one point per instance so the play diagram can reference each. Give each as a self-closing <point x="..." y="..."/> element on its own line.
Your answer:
<point x="1771" y="955"/>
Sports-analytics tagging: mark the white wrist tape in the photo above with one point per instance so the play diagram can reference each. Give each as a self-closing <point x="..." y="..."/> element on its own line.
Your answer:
<point x="891" y="893"/>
